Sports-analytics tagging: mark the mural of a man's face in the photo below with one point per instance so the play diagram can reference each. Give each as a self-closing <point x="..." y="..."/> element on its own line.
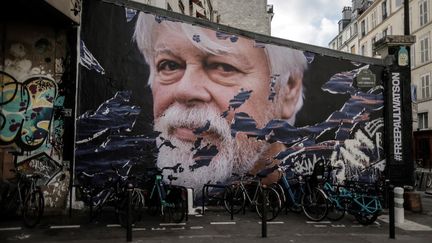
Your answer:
<point x="193" y="86"/>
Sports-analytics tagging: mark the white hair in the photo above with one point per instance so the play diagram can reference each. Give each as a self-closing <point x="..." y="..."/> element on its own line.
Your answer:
<point x="283" y="61"/>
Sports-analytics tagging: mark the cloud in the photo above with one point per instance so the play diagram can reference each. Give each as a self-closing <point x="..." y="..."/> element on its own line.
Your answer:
<point x="313" y="22"/>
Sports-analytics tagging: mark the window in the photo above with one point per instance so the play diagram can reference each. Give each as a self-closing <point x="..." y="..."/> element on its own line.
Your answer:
<point x="340" y="41"/>
<point x="413" y="61"/>
<point x="374" y="19"/>
<point x="384" y="10"/>
<point x="423" y="12"/>
<point x="422" y="120"/>
<point x="372" y="46"/>
<point x="363" y="50"/>
<point x="384" y="32"/>
<point x="355" y="28"/>
<point x="410" y="19"/>
<point x="353" y="49"/>
<point x="363" y="28"/>
<point x="426" y="86"/>
<point x="181" y="7"/>
<point x="424" y="49"/>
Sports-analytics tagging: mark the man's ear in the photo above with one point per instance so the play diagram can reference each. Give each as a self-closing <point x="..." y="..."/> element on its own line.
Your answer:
<point x="291" y="93"/>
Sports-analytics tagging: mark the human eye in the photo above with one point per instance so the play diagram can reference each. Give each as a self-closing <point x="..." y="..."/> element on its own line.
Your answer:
<point x="168" y="66"/>
<point x="169" y="70"/>
<point x="222" y="68"/>
<point x="222" y="72"/>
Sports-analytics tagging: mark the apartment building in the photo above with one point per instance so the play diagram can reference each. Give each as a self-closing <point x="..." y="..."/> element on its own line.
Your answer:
<point x="365" y="22"/>
<point x="195" y="8"/>
<point x="256" y="15"/>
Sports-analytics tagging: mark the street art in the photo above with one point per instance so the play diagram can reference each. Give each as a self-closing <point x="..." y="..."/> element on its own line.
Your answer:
<point x="88" y="60"/>
<point x="31" y="111"/>
<point x="218" y="116"/>
<point x="27" y="110"/>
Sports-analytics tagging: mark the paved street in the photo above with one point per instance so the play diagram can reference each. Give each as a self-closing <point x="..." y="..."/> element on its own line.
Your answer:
<point x="216" y="226"/>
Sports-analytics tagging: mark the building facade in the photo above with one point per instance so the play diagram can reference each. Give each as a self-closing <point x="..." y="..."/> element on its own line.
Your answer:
<point x="256" y="14"/>
<point x="368" y="21"/>
<point x="195" y="8"/>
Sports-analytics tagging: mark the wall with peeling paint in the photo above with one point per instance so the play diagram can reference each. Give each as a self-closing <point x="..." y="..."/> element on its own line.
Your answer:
<point x="118" y="121"/>
<point x="33" y="59"/>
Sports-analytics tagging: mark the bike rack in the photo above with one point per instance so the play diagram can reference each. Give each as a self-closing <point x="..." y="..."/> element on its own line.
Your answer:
<point x="205" y="193"/>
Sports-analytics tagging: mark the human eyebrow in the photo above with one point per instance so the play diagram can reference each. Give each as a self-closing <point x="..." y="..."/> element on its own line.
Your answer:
<point x="167" y="51"/>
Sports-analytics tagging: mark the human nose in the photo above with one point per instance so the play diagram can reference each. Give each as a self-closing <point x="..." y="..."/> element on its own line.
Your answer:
<point x="191" y="88"/>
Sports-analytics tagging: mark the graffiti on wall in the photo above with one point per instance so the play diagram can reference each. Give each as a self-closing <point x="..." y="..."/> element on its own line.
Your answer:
<point x="27" y="110"/>
<point x="31" y="117"/>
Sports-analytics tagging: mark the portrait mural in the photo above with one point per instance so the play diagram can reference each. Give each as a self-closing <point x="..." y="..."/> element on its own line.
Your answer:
<point x="161" y="91"/>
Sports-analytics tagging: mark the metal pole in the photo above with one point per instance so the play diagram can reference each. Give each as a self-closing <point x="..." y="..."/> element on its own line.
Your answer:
<point x="406" y="18"/>
<point x="232" y="203"/>
<point x="391" y="212"/>
<point x="263" y="213"/>
<point x="91" y="205"/>
<point x="71" y="180"/>
<point x="129" y="213"/>
<point x="203" y="199"/>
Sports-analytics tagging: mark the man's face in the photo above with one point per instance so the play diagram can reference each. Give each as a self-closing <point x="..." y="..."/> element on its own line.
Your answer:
<point x="192" y="87"/>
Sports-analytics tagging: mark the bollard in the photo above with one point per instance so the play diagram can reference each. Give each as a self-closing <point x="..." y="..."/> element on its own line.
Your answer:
<point x="398" y="205"/>
<point x="263" y="213"/>
<point x="129" y="213"/>
<point x="190" y="208"/>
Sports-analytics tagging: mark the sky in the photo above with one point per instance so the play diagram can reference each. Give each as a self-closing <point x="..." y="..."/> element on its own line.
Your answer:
<point x="313" y="21"/>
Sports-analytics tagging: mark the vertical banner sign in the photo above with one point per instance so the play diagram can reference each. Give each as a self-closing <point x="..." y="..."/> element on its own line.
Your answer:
<point x="398" y="120"/>
<point x="396" y="117"/>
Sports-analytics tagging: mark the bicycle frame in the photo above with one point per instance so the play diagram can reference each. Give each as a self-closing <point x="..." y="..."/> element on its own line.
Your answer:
<point x="286" y="186"/>
<point x="343" y="199"/>
<point x="158" y="185"/>
<point x="253" y="200"/>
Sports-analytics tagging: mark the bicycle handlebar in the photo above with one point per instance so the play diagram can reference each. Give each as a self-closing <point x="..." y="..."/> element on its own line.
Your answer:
<point x="173" y="168"/>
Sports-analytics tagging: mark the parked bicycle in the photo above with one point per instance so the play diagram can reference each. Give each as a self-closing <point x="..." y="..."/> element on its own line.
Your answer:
<point x="360" y="199"/>
<point x="167" y="199"/>
<point x="248" y="189"/>
<point x="23" y="195"/>
<point x="291" y="186"/>
<point x="101" y="189"/>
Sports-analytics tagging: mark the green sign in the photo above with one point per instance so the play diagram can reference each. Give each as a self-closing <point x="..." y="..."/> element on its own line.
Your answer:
<point x="365" y="79"/>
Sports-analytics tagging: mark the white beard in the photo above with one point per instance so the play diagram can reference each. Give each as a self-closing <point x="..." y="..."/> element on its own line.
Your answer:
<point x="234" y="155"/>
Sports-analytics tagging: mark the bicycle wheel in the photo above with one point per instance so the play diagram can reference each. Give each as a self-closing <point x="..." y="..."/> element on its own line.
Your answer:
<point x="271" y="202"/>
<point x="236" y="195"/>
<point x="366" y="209"/>
<point x="33" y="208"/>
<point x="334" y="213"/>
<point x="365" y="219"/>
<point x="314" y="205"/>
<point x="177" y="207"/>
<point x="137" y="205"/>
<point x="279" y="189"/>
